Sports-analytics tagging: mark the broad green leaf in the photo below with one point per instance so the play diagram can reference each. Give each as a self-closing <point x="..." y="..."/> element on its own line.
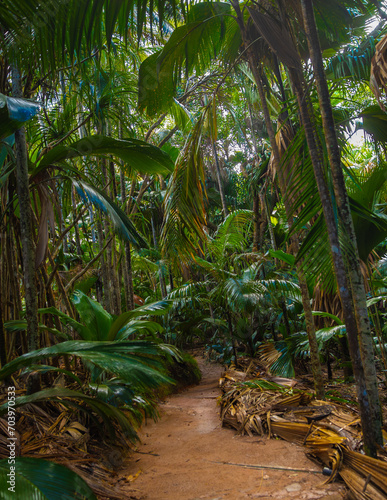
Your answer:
<point x="154" y="309"/>
<point x="122" y="223"/>
<point x="328" y="315"/>
<point x="139" y="155"/>
<point x="375" y="123"/>
<point x="39" y="479"/>
<point x="66" y="320"/>
<point x="97" y="320"/>
<point x="281" y="255"/>
<point x="20" y="325"/>
<point x="190" y="47"/>
<point x="14" y="112"/>
<point x="135" y="361"/>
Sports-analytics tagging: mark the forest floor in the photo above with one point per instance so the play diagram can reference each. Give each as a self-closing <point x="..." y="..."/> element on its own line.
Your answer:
<point x="183" y="455"/>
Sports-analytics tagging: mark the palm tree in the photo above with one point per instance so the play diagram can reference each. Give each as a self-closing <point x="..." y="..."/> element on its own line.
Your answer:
<point x="274" y="28"/>
<point x="370" y="408"/>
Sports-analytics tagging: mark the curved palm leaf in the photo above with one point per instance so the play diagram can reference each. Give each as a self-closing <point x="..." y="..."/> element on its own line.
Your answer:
<point x="135" y="361"/>
<point x="191" y="46"/>
<point x="96" y="319"/>
<point x="140" y="155"/>
<point x="184" y="202"/>
<point x="40" y="479"/>
<point x="70" y="397"/>
<point x="154" y="309"/>
<point x="76" y="27"/>
<point x="14" y="112"/>
<point x="123" y="225"/>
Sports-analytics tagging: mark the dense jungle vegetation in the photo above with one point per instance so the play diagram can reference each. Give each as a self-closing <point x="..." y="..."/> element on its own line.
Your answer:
<point x="194" y="173"/>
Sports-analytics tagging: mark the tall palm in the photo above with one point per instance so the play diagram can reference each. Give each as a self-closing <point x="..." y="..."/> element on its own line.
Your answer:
<point x="275" y="29"/>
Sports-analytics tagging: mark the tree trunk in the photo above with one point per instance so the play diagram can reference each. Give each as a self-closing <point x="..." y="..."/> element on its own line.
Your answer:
<point x="220" y="181"/>
<point x="27" y="236"/>
<point x="3" y="352"/>
<point x="372" y="426"/>
<point x="128" y="274"/>
<point x="265" y="212"/>
<point x="163" y="288"/>
<point x="76" y="228"/>
<point x="104" y="272"/>
<point x="257" y="223"/>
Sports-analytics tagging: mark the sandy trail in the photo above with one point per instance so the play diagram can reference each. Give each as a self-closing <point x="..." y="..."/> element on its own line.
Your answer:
<point x="180" y="454"/>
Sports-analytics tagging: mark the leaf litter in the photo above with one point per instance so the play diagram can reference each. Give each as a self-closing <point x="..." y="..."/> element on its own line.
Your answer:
<point x="330" y="431"/>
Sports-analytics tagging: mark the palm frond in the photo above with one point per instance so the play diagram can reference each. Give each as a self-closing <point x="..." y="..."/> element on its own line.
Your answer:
<point x="67" y="396"/>
<point x="159" y="308"/>
<point x="97" y="321"/>
<point x="184" y="201"/>
<point x="14" y="112"/>
<point x="139" y="155"/>
<point x="122" y="223"/>
<point x="40" y="479"/>
<point x="135" y="361"/>
<point x="191" y="46"/>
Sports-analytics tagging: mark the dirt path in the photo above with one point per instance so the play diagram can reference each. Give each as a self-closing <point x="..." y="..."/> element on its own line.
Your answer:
<point x="179" y="454"/>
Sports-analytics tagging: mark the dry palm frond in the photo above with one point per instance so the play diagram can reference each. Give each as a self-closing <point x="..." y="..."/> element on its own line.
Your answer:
<point x="359" y="485"/>
<point x="53" y="433"/>
<point x="368" y="466"/>
<point x="331" y="432"/>
<point x="379" y="71"/>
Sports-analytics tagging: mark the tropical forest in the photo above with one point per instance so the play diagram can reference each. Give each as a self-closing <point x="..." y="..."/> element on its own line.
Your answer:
<point x="193" y="249"/>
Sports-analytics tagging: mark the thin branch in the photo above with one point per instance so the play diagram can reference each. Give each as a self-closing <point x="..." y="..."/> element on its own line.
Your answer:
<point x="68" y="228"/>
<point x="41" y="80"/>
<point x="155" y="125"/>
<point x="85" y="269"/>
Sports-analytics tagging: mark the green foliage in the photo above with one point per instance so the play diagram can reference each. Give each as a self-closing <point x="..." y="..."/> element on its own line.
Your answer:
<point x="135" y="361"/>
<point x="40" y="479"/>
<point x="14" y="112"/>
<point x="139" y="155"/>
<point x="100" y="325"/>
<point x="190" y="47"/>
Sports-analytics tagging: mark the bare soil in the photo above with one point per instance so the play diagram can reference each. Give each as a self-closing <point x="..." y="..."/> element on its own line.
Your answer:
<point x="182" y="456"/>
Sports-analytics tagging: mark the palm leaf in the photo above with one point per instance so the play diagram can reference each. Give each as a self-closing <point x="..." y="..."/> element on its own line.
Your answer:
<point x="20" y="325"/>
<point x="68" y="396"/>
<point x="42" y="480"/>
<point x="153" y="309"/>
<point x="14" y="112"/>
<point x="135" y="361"/>
<point x="191" y="46"/>
<point x="184" y="201"/>
<point x="123" y="225"/>
<point x="139" y="155"/>
<point x="83" y="331"/>
<point x="97" y="320"/>
<point x="76" y="27"/>
<point x="374" y="122"/>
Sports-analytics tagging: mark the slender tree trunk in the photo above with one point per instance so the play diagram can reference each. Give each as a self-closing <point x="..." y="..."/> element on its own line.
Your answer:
<point x="76" y="229"/>
<point x="104" y="272"/>
<point x="128" y="274"/>
<point x="254" y="139"/>
<point x="372" y="428"/>
<point x="161" y="270"/>
<point x="257" y="223"/>
<point x="265" y="212"/>
<point x="26" y="234"/>
<point x="62" y="223"/>
<point x="233" y="341"/>
<point x="314" y="354"/>
<point x="220" y="181"/>
<point x="3" y="352"/>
